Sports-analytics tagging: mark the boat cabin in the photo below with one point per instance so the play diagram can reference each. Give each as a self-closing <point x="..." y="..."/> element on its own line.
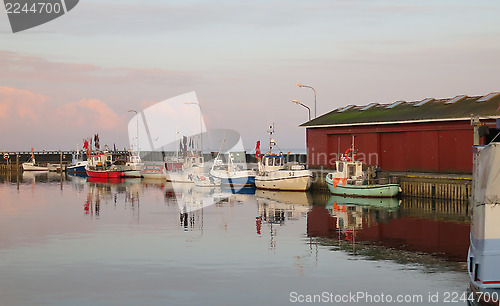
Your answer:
<point x="272" y="162"/>
<point x="351" y="170"/>
<point x="103" y="160"/>
<point x="135" y="159"/>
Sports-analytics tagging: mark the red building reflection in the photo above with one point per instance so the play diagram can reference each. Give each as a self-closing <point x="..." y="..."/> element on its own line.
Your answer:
<point x="446" y="238"/>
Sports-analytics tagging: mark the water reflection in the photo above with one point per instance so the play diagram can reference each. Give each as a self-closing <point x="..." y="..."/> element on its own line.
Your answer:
<point x="277" y="207"/>
<point x="103" y="191"/>
<point x="405" y="225"/>
<point x="99" y="230"/>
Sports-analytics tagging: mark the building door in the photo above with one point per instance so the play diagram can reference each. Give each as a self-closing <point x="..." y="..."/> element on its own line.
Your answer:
<point x="393" y="151"/>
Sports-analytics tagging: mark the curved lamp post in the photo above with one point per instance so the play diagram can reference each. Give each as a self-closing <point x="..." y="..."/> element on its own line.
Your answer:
<point x="307" y="86"/>
<point x="137" y="124"/>
<point x="299" y="103"/>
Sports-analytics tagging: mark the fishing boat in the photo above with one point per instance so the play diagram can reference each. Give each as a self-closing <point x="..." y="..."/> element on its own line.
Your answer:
<point x="131" y="166"/>
<point x="101" y="165"/>
<point x="229" y="173"/>
<point x="191" y="166"/>
<point x="77" y="163"/>
<point x="31" y="164"/>
<point x="187" y="163"/>
<point x="484" y="250"/>
<point x="275" y="173"/>
<point x="152" y="171"/>
<point x="349" y="179"/>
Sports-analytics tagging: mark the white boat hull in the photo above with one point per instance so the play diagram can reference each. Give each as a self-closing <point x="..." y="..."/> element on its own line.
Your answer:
<point x="33" y="167"/>
<point x="132" y="173"/>
<point x="284" y="180"/>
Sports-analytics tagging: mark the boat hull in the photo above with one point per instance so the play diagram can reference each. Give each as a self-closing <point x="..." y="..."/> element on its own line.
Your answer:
<point x="32" y="167"/>
<point x="368" y="191"/>
<point x="154" y="172"/>
<point x="132" y="173"/>
<point x="239" y="181"/>
<point x="104" y="174"/>
<point x="235" y="178"/>
<point x="285" y="180"/>
<point x="76" y="169"/>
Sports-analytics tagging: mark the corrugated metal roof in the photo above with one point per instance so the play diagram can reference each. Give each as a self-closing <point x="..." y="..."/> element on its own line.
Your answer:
<point x="432" y="110"/>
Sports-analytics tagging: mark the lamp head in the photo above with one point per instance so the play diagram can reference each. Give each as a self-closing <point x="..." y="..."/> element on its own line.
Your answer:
<point x="300" y="85"/>
<point x="296" y="101"/>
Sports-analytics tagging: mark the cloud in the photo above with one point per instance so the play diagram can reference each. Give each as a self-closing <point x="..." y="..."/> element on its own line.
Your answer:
<point x="100" y="113"/>
<point x="16" y="66"/>
<point x="21" y="104"/>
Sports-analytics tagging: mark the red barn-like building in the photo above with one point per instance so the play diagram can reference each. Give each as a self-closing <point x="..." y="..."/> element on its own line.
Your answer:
<point x="431" y="135"/>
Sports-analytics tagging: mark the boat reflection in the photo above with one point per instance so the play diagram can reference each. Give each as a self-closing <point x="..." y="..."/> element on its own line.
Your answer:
<point x="192" y="200"/>
<point x="104" y="191"/>
<point x="412" y="225"/>
<point x="278" y="207"/>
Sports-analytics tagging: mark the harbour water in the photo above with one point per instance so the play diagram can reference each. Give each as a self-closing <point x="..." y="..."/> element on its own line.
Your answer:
<point x="74" y="241"/>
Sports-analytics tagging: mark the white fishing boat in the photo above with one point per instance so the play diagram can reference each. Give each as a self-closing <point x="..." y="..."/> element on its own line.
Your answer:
<point x="275" y="173"/>
<point x="484" y="251"/>
<point x="131" y="167"/>
<point x="230" y="173"/>
<point x="349" y="179"/>
<point x="190" y="167"/>
<point x="31" y="164"/>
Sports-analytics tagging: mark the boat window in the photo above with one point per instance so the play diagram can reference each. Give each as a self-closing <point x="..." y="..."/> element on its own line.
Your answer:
<point x="278" y="160"/>
<point x="109" y="158"/>
<point x="269" y="161"/>
<point x="96" y="158"/>
<point x="351" y="170"/>
<point x="340" y="167"/>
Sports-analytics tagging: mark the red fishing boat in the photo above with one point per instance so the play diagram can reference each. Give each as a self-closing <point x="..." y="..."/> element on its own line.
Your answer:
<point x="100" y="164"/>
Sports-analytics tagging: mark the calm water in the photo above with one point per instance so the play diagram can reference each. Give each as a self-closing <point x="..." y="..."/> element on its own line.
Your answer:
<point x="74" y="242"/>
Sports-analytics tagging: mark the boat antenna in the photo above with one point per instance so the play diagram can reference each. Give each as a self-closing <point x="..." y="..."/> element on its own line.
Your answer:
<point x="353" y="152"/>
<point x="271" y="140"/>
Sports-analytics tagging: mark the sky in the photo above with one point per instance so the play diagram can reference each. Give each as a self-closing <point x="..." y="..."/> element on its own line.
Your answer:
<point x="80" y="74"/>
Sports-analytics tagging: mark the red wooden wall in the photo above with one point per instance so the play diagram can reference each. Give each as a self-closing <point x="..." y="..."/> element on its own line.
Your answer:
<point x="435" y="146"/>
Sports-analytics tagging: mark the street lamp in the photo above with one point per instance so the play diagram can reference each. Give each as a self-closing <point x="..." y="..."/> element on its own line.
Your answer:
<point x="299" y="103"/>
<point x="300" y="85"/>
<point x="201" y="124"/>
<point x="137" y="125"/>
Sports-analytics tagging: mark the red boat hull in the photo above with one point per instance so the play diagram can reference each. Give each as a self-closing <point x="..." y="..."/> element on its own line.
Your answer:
<point x="105" y="174"/>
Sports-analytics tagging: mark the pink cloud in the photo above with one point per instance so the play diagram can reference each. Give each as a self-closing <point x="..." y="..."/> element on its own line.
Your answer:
<point x="38" y="110"/>
<point x="21" y="104"/>
<point x="100" y="113"/>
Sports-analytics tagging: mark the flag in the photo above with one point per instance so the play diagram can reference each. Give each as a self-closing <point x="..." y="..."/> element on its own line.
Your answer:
<point x="86" y="147"/>
<point x="257" y="150"/>
<point x="96" y="141"/>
